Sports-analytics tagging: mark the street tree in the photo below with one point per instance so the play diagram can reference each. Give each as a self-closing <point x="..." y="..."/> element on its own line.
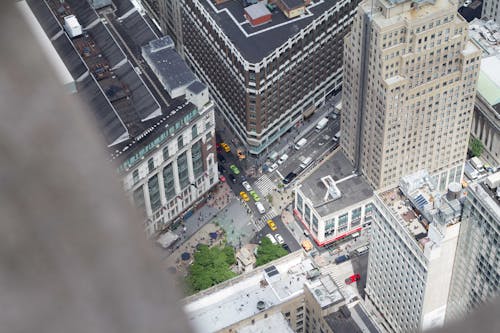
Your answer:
<point x="267" y="251"/>
<point x="476" y="147"/>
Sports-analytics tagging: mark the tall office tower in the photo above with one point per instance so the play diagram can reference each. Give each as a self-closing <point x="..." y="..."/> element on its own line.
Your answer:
<point x="414" y="239"/>
<point x="476" y="275"/>
<point x="410" y="76"/>
<point x="267" y="66"/>
<point x="491" y="10"/>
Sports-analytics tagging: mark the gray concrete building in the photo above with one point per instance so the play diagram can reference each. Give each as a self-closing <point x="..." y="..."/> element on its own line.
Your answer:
<point x="410" y="74"/>
<point x="491" y="10"/>
<point x="476" y="275"/>
<point x="264" y="77"/>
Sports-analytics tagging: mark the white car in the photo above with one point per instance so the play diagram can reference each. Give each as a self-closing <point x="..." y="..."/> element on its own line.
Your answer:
<point x="282" y="159"/>
<point x="272" y="167"/>
<point x="247" y="186"/>
<point x="271" y="238"/>
<point x="279" y="238"/>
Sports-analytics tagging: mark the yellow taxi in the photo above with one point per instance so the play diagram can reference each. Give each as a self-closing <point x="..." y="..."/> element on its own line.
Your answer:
<point x="306" y="244"/>
<point x="244" y="196"/>
<point x="272" y="225"/>
<point x="225" y="146"/>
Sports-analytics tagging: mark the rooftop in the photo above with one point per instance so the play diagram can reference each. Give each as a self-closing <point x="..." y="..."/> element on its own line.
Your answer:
<point x="351" y="320"/>
<point x="245" y="296"/>
<point x="274" y="323"/>
<point x="418" y="204"/>
<point x="255" y="43"/>
<point x="353" y="188"/>
<point x="125" y="97"/>
<point x="489" y="197"/>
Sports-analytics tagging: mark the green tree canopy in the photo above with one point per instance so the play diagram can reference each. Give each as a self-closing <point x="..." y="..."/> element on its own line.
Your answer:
<point x="268" y="251"/>
<point x="210" y="267"/>
<point x="476" y="147"/>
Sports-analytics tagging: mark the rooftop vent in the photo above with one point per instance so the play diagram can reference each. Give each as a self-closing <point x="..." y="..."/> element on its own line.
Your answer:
<point x="261" y="305"/>
<point x="72" y="26"/>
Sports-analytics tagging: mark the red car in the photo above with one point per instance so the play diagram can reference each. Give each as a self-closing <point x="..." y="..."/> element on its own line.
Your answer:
<point x="222" y="178"/>
<point x="352" y="278"/>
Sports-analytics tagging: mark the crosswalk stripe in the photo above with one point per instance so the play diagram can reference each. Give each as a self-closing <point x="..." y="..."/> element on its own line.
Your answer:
<point x="265" y="185"/>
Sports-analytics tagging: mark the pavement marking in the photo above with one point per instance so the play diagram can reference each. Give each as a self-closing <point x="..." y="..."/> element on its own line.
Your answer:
<point x="279" y="174"/>
<point x="265" y="185"/>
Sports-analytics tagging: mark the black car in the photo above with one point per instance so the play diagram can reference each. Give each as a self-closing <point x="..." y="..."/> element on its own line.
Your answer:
<point x="291" y="176"/>
<point x="232" y="177"/>
<point x="286" y="247"/>
<point x="221" y="158"/>
<point x="221" y="168"/>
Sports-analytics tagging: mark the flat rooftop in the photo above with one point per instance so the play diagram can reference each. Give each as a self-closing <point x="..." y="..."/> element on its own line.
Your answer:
<point x="353" y="188"/>
<point x="255" y="43"/>
<point x="274" y="323"/>
<point x="235" y="300"/>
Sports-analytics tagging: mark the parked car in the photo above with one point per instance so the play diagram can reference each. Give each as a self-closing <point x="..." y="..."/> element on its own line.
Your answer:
<point x="221" y="168"/>
<point x="352" y="278"/>
<point x="272" y="225"/>
<point x="222" y="178"/>
<point x="244" y="196"/>
<point x="254" y="195"/>
<point x="225" y="146"/>
<point x="233" y="178"/>
<point x="221" y="158"/>
<point x="273" y="167"/>
<point x="234" y="169"/>
<point x="279" y="239"/>
<point x="247" y="186"/>
<point x="307" y="245"/>
<point x="291" y="176"/>
<point x="282" y="159"/>
<point x="341" y="259"/>
<point x="271" y="238"/>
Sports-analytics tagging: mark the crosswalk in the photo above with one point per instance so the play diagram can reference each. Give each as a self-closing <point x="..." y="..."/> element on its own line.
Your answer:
<point x="265" y="185"/>
<point x="262" y="221"/>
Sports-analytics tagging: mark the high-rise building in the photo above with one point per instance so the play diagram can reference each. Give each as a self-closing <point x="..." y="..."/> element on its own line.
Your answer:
<point x="410" y="76"/>
<point x="163" y="144"/>
<point x="267" y="66"/>
<point x="491" y="10"/>
<point x="412" y="249"/>
<point x="476" y="275"/>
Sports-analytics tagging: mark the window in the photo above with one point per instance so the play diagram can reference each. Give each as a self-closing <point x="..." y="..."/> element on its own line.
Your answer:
<point x="165" y="153"/>
<point x="180" y="142"/>
<point x="135" y="176"/>
<point x="194" y="131"/>
<point x="151" y="165"/>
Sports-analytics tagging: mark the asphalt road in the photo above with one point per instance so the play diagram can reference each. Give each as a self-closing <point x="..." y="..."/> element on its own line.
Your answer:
<point x="318" y="142"/>
<point x="282" y="230"/>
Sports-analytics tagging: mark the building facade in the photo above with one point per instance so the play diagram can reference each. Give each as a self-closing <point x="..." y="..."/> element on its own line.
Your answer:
<point x="486" y="121"/>
<point x="264" y="78"/>
<point x="491" y="10"/>
<point x="476" y="275"/>
<point x="410" y="74"/>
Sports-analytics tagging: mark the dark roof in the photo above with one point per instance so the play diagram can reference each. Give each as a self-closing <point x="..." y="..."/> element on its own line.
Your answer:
<point x="171" y="66"/>
<point x="472" y="11"/>
<point x="259" y="45"/>
<point x="197" y="87"/>
<point x="292" y="4"/>
<point x="44" y="16"/>
<point x="342" y="322"/>
<point x="130" y="111"/>
<point x="352" y="190"/>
